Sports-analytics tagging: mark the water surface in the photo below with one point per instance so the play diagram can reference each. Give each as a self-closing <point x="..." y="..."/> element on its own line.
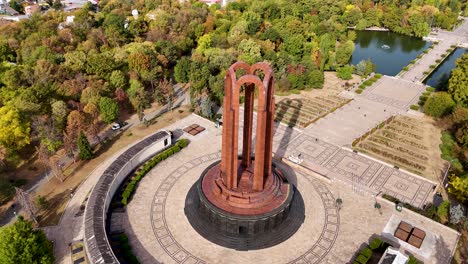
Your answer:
<point x="439" y="77"/>
<point x="389" y="51"/>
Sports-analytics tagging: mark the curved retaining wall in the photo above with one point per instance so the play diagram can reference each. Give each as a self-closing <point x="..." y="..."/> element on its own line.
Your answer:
<point x="97" y="246"/>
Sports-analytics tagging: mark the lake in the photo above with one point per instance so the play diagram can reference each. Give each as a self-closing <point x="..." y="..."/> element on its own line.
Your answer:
<point x="389" y="51"/>
<point x="439" y="77"/>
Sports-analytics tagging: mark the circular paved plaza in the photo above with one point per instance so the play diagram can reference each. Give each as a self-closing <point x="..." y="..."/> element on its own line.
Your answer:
<point x="159" y="230"/>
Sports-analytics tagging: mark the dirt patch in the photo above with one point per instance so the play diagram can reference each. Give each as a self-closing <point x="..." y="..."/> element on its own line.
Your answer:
<point x="58" y="193"/>
<point x="408" y="142"/>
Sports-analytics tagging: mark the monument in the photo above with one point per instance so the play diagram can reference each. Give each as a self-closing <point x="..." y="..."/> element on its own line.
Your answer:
<point x="246" y="194"/>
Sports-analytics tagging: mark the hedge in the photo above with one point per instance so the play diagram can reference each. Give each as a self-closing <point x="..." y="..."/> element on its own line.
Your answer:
<point x="375" y="243"/>
<point x="367" y="252"/>
<point x="414" y="107"/>
<point x="127" y="250"/>
<point x="130" y="188"/>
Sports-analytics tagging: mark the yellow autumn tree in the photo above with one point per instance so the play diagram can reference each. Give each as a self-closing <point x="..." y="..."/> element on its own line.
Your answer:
<point x="14" y="131"/>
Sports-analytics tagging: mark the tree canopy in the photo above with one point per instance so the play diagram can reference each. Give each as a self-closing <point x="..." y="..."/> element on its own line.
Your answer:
<point x="51" y="71"/>
<point x="20" y="243"/>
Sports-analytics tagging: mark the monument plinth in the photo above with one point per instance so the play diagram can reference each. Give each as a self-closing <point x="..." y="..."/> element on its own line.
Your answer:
<point x="246" y="194"/>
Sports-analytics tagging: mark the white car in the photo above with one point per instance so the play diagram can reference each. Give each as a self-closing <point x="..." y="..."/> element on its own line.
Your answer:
<point x="119" y="125"/>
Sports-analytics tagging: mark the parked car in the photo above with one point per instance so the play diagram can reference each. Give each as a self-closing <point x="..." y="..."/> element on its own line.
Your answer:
<point x="119" y="125"/>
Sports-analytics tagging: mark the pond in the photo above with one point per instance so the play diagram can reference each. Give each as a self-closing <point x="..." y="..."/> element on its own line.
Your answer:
<point x="389" y="51"/>
<point x="439" y="78"/>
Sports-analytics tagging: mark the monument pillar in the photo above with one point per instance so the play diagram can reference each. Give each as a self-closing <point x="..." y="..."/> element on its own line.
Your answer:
<point x="246" y="190"/>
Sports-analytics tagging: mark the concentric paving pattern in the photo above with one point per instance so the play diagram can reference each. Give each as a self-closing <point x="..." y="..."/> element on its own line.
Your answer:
<point x="178" y="253"/>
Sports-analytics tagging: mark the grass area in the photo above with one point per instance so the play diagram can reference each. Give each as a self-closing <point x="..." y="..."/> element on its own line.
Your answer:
<point x="58" y="193"/>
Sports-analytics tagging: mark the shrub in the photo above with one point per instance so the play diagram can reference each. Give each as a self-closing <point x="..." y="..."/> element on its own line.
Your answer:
<point x="412" y="260"/>
<point x="438" y="60"/>
<point x="405" y="68"/>
<point x="435" y="43"/>
<point x="130" y="188"/>
<point x="443" y="210"/>
<point x="367" y="252"/>
<point x="378" y="75"/>
<point x="432" y="66"/>
<point x="439" y="104"/>
<point x="425" y="51"/>
<point x="430" y="89"/>
<point x="414" y="107"/>
<point x="42" y="202"/>
<point x="345" y="72"/>
<point x="412" y="61"/>
<point x="426" y="93"/>
<point x="448" y="50"/>
<point x="368" y="83"/>
<point x="359" y="91"/>
<point x="362" y="86"/>
<point x="295" y="91"/>
<point x="426" y="72"/>
<point x="375" y="243"/>
<point x="419" y="56"/>
<point x="362" y="259"/>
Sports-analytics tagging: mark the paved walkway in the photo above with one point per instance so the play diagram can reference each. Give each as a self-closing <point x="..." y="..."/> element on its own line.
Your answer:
<point x="159" y="231"/>
<point x="445" y="38"/>
<point x="387" y="97"/>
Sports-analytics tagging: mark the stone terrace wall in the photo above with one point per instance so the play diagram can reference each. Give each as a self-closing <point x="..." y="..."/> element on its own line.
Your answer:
<point x="97" y="246"/>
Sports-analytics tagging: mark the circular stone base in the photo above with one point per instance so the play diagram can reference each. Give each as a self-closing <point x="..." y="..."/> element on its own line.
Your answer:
<point x="244" y="241"/>
<point x="238" y="224"/>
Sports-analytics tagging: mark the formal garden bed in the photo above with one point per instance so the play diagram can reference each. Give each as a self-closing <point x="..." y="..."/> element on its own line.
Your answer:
<point x="401" y="141"/>
<point x="303" y="112"/>
<point x="374" y="251"/>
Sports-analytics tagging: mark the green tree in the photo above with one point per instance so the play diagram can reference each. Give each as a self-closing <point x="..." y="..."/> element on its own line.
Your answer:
<point x="138" y="98"/>
<point x="364" y="67"/>
<point x="344" y="52"/>
<point x="20" y="243"/>
<point x="85" y="150"/>
<point x="316" y="78"/>
<point x="16" y="5"/>
<point x="249" y="51"/>
<point x="345" y="72"/>
<point x="59" y="114"/>
<point x="14" y="130"/>
<point x="439" y="104"/>
<point x="118" y="79"/>
<point x="458" y="82"/>
<point x="182" y="70"/>
<point x="462" y="134"/>
<point x="6" y="52"/>
<point x="459" y="187"/>
<point x="109" y="110"/>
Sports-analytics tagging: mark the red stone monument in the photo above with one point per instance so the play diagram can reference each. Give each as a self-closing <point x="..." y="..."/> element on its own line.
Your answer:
<point x="247" y="193"/>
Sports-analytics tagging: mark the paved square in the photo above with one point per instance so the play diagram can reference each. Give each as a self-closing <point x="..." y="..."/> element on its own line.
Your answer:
<point x="394" y="92"/>
<point x="351" y="165"/>
<point x="311" y="149"/>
